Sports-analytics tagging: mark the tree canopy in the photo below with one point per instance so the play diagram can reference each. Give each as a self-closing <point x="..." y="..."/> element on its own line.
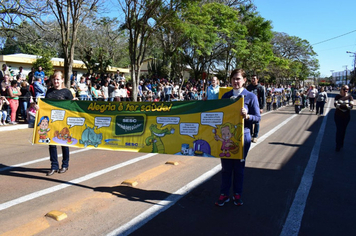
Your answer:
<point x="205" y="36"/>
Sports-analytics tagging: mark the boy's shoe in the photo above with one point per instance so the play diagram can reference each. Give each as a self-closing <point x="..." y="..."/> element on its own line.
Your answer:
<point x="237" y="200"/>
<point x="254" y="140"/>
<point x="222" y="200"/>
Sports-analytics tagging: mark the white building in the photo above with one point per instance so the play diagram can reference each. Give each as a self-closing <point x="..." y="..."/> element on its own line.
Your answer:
<point x="14" y="61"/>
<point x="341" y="77"/>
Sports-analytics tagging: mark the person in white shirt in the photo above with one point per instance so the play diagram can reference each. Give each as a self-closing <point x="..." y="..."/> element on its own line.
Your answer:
<point x="83" y="89"/>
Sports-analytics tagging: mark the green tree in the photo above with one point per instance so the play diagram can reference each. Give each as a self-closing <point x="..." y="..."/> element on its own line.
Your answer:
<point x="142" y="18"/>
<point x="102" y="45"/>
<point x="211" y="30"/>
<point x="258" y="51"/>
<point x="70" y="15"/>
<point x="299" y="53"/>
<point x="14" y="12"/>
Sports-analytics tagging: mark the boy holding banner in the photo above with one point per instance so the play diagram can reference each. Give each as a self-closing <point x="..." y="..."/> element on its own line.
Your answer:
<point x="232" y="172"/>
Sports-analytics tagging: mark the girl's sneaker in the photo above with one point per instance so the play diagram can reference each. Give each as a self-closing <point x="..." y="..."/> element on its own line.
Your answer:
<point x="237" y="199"/>
<point x="222" y="200"/>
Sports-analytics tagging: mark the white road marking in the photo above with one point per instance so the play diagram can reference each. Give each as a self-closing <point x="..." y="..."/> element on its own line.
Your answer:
<point x="38" y="160"/>
<point x="43" y="192"/>
<point x="292" y="223"/>
<point x="161" y="206"/>
<point x="296" y="211"/>
<point x="158" y="208"/>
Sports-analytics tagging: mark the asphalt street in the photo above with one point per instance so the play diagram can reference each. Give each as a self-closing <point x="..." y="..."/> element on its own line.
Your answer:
<point x="295" y="184"/>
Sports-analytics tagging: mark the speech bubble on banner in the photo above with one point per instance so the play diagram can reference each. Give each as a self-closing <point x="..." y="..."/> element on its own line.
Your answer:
<point x="168" y="120"/>
<point x="75" y="121"/>
<point x="211" y="118"/>
<point x="57" y="115"/>
<point x="189" y="129"/>
<point x="102" y="122"/>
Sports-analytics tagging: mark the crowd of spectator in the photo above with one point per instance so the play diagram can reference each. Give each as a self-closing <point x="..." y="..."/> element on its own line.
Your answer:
<point x="114" y="87"/>
<point x="19" y="92"/>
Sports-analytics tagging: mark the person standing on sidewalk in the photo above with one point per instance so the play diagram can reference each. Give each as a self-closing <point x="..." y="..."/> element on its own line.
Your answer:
<point x="59" y="92"/>
<point x="14" y="94"/>
<point x="259" y="91"/>
<point x="344" y="102"/>
<point x="232" y="172"/>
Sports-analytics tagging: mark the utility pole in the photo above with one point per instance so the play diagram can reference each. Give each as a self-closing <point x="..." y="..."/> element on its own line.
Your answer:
<point x="346" y="76"/>
<point x="354" y="73"/>
<point x="332" y="76"/>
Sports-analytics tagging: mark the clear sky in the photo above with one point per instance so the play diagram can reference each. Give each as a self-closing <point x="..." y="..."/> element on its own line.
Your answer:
<point x="317" y="21"/>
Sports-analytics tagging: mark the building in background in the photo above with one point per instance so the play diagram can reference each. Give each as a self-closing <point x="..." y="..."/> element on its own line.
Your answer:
<point x="341" y="77"/>
<point x="14" y="61"/>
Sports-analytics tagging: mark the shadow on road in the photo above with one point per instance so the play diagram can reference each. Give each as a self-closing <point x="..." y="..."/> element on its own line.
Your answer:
<point x="135" y="194"/>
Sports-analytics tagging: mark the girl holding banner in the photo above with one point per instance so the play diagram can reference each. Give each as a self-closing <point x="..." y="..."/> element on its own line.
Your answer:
<point x="59" y="92"/>
<point x="232" y="172"/>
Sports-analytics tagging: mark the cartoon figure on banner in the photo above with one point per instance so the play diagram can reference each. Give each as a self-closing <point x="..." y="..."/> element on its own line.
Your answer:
<point x="155" y="139"/>
<point x="43" y="130"/>
<point x="201" y="147"/>
<point x="64" y="137"/>
<point x="89" y="137"/>
<point x="185" y="149"/>
<point x="228" y="131"/>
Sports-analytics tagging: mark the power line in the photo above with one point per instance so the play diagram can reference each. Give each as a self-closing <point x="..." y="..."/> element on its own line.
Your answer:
<point x="334" y="37"/>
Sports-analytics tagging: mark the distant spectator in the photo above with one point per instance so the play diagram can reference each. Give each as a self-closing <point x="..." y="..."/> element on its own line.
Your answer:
<point x="73" y="88"/>
<point x="83" y="89"/>
<point x="21" y="75"/>
<point x="14" y="93"/>
<point x="31" y="114"/>
<point x="4" y="71"/>
<point x="4" y="85"/>
<point x="31" y="76"/>
<point x="167" y="92"/>
<point x="24" y="99"/>
<point x="212" y="91"/>
<point x="3" y="110"/>
<point x="40" y="90"/>
<point x="40" y="74"/>
<point x="111" y="90"/>
<point x="105" y="91"/>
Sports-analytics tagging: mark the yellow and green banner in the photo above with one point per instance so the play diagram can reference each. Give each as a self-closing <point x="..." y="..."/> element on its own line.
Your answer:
<point x="211" y="128"/>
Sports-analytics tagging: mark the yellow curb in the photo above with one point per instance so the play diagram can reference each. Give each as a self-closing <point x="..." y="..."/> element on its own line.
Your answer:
<point x="175" y="163"/>
<point x="57" y="215"/>
<point x="131" y="183"/>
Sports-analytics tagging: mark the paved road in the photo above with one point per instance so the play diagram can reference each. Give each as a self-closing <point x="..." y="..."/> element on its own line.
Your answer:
<point x="295" y="184"/>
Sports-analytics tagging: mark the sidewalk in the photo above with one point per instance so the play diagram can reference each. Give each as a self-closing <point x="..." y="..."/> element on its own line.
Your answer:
<point x="13" y="127"/>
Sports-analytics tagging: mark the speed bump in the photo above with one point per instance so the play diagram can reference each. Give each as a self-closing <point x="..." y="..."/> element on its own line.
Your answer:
<point x="129" y="182"/>
<point x="175" y="163"/>
<point x="57" y="215"/>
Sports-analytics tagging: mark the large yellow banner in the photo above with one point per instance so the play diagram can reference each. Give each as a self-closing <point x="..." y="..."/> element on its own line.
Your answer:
<point x="211" y="128"/>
